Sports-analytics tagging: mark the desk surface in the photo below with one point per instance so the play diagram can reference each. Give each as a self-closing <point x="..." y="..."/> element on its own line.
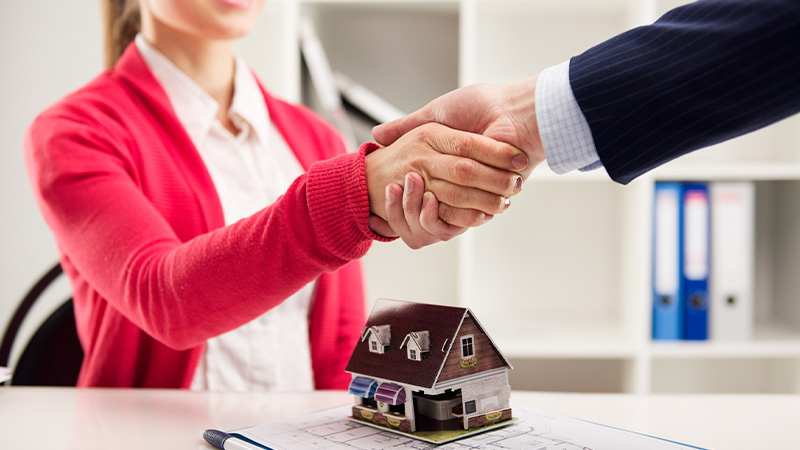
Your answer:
<point x="88" y="419"/>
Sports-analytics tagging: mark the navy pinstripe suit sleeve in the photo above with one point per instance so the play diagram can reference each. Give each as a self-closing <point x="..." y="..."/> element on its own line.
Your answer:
<point x="703" y="73"/>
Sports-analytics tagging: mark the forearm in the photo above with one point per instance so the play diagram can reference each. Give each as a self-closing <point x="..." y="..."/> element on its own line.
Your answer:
<point x="235" y="274"/>
<point x="182" y="289"/>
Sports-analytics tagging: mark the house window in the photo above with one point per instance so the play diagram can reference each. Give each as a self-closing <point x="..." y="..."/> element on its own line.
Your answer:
<point x="469" y="407"/>
<point x="374" y="346"/>
<point x="467" y="347"/>
<point x="412" y="353"/>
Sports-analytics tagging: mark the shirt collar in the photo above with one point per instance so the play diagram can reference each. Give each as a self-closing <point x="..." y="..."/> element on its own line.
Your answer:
<point x="195" y="108"/>
<point x="248" y="103"/>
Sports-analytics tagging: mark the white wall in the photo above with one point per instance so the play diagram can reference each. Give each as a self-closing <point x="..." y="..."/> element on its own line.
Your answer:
<point x="47" y="49"/>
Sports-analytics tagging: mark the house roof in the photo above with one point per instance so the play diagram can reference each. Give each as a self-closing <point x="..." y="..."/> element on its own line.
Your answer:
<point x="441" y="322"/>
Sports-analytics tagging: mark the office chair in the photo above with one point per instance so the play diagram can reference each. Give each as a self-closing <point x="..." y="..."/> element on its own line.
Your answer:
<point x="53" y="355"/>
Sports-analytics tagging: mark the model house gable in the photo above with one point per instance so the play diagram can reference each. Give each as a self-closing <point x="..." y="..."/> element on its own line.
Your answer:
<point x="378" y="337"/>
<point x="417" y="344"/>
<point x="473" y="352"/>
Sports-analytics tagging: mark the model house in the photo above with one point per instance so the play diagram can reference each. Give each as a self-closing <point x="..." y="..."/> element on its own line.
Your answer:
<point x="424" y="367"/>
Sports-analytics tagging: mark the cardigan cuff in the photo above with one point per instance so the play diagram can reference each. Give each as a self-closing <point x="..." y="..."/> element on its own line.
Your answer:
<point x="339" y="204"/>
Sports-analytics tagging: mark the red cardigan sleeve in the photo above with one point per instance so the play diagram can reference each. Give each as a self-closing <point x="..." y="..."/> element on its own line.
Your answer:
<point x="121" y="204"/>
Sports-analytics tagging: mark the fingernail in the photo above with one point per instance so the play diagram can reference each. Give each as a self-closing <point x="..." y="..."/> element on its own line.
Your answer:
<point x="506" y="203"/>
<point x="391" y="195"/>
<point x="426" y="199"/>
<point x="518" y="185"/>
<point x="409" y="184"/>
<point x="519" y="162"/>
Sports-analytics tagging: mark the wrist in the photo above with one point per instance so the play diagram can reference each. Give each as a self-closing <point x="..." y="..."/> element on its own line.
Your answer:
<point x="520" y="98"/>
<point x="376" y="188"/>
<point x="564" y="132"/>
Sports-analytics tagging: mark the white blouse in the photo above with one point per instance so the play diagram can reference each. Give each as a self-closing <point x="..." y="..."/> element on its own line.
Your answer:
<point x="250" y="171"/>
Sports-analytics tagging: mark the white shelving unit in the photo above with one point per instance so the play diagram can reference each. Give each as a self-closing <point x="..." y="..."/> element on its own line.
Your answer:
<point x="562" y="279"/>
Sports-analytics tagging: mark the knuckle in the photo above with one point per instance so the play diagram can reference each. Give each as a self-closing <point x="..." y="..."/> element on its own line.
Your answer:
<point x="502" y="183"/>
<point x="416" y="163"/>
<point x="422" y="133"/>
<point x="457" y="197"/>
<point x="463" y="169"/>
<point x="474" y="218"/>
<point x="460" y="145"/>
<point x="461" y="219"/>
<point x="446" y="212"/>
<point x="497" y="205"/>
<point x="426" y="131"/>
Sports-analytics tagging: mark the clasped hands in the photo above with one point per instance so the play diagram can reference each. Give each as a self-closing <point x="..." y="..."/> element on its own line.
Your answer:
<point x="453" y="164"/>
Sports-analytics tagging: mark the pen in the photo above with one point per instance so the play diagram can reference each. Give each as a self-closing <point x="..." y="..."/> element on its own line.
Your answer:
<point x="225" y="441"/>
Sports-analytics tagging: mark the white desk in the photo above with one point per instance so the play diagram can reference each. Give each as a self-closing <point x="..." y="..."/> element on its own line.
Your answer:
<point x="89" y="419"/>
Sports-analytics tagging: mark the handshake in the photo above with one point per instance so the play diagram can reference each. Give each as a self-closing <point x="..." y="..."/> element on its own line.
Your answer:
<point x="453" y="164"/>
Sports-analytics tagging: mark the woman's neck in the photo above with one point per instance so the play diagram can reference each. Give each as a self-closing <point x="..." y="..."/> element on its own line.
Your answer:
<point x="209" y="63"/>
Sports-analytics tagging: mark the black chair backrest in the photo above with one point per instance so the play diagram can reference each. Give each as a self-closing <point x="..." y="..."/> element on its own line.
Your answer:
<point x="53" y="356"/>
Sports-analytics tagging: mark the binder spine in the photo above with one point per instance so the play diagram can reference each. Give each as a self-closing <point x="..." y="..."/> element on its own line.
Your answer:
<point x="696" y="260"/>
<point x="667" y="257"/>
<point x="733" y="260"/>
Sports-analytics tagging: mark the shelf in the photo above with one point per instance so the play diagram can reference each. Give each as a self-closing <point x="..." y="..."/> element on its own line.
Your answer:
<point x="561" y="281"/>
<point x="725" y="375"/>
<point x="765" y="171"/>
<point x="717" y="350"/>
<point x="769" y="341"/>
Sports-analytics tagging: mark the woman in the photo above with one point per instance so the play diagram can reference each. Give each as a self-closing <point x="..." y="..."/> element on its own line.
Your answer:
<point x="187" y="202"/>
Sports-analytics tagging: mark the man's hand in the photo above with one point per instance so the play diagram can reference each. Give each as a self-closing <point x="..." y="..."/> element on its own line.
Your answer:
<point x="506" y="113"/>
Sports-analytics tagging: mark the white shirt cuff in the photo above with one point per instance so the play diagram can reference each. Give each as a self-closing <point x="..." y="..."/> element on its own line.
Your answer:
<point x="565" y="133"/>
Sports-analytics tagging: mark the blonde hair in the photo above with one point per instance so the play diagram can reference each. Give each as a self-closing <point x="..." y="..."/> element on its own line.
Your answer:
<point x="122" y="22"/>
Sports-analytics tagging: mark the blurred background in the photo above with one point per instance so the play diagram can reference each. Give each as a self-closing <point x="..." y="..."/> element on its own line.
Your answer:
<point x="562" y="280"/>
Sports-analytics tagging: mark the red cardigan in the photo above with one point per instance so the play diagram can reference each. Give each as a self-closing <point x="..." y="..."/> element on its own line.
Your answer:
<point x="139" y="227"/>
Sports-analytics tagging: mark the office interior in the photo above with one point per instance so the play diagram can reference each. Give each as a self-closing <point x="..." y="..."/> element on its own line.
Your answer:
<point x="562" y="281"/>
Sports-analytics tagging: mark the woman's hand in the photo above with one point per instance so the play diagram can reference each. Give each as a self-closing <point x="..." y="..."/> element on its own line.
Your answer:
<point x="472" y="176"/>
<point x="415" y="219"/>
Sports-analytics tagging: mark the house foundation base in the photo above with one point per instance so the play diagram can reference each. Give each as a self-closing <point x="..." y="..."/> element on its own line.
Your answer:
<point x="489" y="418"/>
<point x="394" y="421"/>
